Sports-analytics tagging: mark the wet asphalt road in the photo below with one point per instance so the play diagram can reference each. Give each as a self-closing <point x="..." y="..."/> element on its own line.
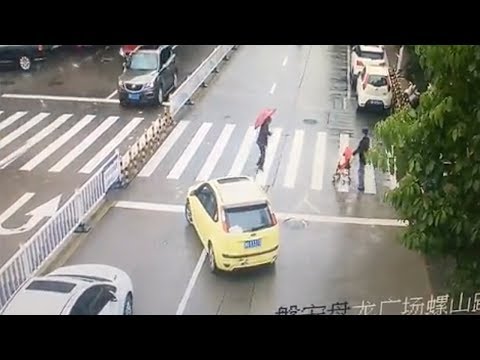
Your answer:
<point x="66" y="73"/>
<point x="320" y="263"/>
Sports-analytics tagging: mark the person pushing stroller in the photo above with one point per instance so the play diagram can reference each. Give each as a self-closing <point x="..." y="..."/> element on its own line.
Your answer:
<point x="344" y="165"/>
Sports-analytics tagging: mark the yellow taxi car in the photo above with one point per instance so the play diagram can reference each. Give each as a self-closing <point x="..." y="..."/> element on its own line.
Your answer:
<point x="235" y="222"/>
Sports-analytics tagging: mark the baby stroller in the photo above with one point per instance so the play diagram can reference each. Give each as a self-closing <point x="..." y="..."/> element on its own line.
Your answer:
<point x="342" y="173"/>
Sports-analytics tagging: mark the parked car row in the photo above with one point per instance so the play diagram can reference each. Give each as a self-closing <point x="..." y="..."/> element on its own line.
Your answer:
<point x="370" y="77"/>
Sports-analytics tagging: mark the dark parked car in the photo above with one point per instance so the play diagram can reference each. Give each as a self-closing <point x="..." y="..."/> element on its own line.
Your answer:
<point x="23" y="56"/>
<point x="149" y="75"/>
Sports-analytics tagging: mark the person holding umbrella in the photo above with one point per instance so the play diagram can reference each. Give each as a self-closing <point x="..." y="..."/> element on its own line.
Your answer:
<point x="263" y="122"/>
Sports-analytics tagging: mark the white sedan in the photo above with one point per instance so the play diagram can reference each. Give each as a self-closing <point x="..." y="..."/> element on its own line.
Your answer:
<point x="75" y="290"/>
<point x="363" y="55"/>
<point x="374" y="88"/>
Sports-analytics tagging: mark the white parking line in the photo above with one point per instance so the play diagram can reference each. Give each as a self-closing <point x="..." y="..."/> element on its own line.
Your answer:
<point x="112" y="94"/>
<point x="285" y="61"/>
<point x="60" y="98"/>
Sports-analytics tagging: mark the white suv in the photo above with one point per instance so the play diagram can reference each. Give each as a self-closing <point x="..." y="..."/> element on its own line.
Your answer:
<point x="374" y="88"/>
<point x="363" y="55"/>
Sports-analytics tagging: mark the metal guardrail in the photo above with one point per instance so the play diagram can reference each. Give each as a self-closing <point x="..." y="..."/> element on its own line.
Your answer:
<point x="185" y="91"/>
<point x="51" y="238"/>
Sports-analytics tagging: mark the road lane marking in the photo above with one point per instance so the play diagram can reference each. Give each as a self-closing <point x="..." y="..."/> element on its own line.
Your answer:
<point x="80" y="148"/>
<point x="23" y="129"/>
<point x="54" y="146"/>
<point x="319" y="161"/>
<point x="112" y="94"/>
<point x="294" y="159"/>
<point x="191" y="283"/>
<point x="243" y="152"/>
<point x="164" y="149"/>
<point x="262" y="176"/>
<point x="349" y="220"/>
<point x="285" y="61"/>
<point x="111" y="146"/>
<point x="12" y="118"/>
<point x="189" y="152"/>
<point x="272" y="89"/>
<point x="61" y="98"/>
<point x="34" y="140"/>
<point x="216" y="152"/>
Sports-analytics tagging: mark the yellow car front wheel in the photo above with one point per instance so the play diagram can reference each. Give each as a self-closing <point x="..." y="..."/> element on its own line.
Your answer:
<point x="212" y="262"/>
<point x="188" y="213"/>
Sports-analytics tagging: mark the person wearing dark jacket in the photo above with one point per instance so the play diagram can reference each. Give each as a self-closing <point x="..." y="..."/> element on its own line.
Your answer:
<point x="361" y="150"/>
<point x="262" y="142"/>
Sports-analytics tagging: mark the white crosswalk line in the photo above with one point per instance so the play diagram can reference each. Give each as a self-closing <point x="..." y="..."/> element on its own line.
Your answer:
<point x="164" y="149"/>
<point x="23" y="129"/>
<point x="191" y="149"/>
<point x="243" y="152"/>
<point x="11" y="119"/>
<point x="319" y="161"/>
<point x="34" y="140"/>
<point x="54" y="146"/>
<point x="111" y="146"/>
<point x="80" y="148"/>
<point x="294" y="159"/>
<point x="370" y="184"/>
<point x="343" y="143"/>
<point x="262" y="176"/>
<point x="216" y="152"/>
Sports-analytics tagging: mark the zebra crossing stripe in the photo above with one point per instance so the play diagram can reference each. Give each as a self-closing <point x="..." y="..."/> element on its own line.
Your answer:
<point x="294" y="159"/>
<point x="23" y="129"/>
<point x="242" y="155"/>
<point x="216" y="153"/>
<point x="164" y="149"/>
<point x="111" y="146"/>
<point x="85" y="144"/>
<point x="189" y="152"/>
<point x="11" y="119"/>
<point x="34" y="140"/>
<point x="62" y="140"/>
<point x="319" y="162"/>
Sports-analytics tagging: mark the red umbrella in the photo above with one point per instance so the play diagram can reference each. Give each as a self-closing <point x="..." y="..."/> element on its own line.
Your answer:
<point x="264" y="115"/>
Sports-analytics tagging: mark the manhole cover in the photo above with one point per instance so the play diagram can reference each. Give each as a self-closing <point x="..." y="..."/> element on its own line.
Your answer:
<point x="310" y="121"/>
<point x="296" y="224"/>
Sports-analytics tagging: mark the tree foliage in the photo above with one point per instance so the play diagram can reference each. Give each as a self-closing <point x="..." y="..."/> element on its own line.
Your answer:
<point x="437" y="147"/>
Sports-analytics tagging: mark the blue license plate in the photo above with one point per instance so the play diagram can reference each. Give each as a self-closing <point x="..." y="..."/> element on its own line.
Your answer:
<point x="250" y="244"/>
<point x="376" y="102"/>
<point x="134" y="96"/>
